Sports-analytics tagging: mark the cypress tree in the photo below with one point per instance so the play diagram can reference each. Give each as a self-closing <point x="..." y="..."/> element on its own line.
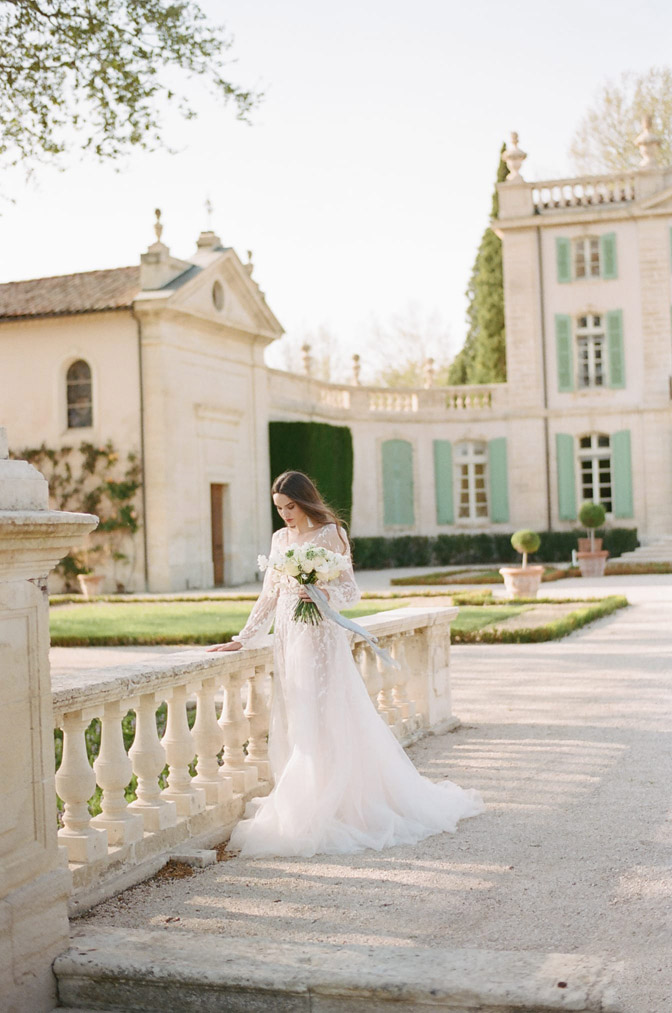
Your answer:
<point x="482" y="358"/>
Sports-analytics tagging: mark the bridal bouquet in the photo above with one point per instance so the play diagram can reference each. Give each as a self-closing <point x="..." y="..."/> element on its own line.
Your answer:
<point x="307" y="563"/>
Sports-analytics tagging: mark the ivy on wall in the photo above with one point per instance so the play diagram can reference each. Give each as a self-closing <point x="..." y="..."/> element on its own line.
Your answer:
<point x="94" y="480"/>
<point x="322" y="452"/>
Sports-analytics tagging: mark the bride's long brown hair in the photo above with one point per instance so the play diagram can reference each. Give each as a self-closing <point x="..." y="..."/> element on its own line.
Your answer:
<point x="303" y="491"/>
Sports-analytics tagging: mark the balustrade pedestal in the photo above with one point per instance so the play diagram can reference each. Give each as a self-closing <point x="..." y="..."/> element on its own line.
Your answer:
<point x="34" y="880"/>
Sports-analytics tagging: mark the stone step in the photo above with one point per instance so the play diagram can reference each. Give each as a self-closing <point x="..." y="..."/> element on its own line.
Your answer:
<point x="159" y="970"/>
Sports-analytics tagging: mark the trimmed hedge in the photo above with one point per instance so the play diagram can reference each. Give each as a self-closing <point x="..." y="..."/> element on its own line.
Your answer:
<point x="465" y="548"/>
<point x="553" y="630"/>
<point x="322" y="452"/>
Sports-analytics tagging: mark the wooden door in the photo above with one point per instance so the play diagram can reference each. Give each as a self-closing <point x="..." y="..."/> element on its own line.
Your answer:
<point x="217" y="522"/>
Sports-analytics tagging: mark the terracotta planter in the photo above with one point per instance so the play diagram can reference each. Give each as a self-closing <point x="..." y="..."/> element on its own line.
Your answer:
<point x="90" y="583"/>
<point x="592" y="564"/>
<point x="584" y="545"/>
<point x="522" y="582"/>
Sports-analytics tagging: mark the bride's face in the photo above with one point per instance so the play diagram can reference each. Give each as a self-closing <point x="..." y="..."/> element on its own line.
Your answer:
<point x="291" y="513"/>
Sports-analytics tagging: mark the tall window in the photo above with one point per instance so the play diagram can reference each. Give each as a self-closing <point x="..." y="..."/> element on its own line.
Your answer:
<point x="595" y="469"/>
<point x="587" y="257"/>
<point x="470" y="466"/>
<point x="80" y="404"/>
<point x="591" y="347"/>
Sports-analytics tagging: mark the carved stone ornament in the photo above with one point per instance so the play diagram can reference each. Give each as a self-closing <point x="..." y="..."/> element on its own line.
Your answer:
<point x="648" y="144"/>
<point x="514" y="158"/>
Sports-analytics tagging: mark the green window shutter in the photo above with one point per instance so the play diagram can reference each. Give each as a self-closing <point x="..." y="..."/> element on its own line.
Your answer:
<point x="608" y="261"/>
<point x="563" y="258"/>
<point x="443" y="481"/>
<point x="398" y="482"/>
<point x="621" y="473"/>
<point x="615" y="348"/>
<point x="499" y="481"/>
<point x="563" y="348"/>
<point x="564" y="452"/>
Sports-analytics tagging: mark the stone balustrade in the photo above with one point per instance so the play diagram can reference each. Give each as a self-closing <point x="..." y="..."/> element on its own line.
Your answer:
<point x="304" y="395"/>
<point x="219" y="760"/>
<point x="584" y="191"/>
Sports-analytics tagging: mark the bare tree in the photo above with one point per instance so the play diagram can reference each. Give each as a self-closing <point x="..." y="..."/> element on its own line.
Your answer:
<point x="605" y="138"/>
<point x="401" y="350"/>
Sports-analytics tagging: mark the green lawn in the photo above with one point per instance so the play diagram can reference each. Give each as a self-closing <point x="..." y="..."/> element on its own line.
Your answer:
<point x="203" y="622"/>
<point x="476" y="618"/>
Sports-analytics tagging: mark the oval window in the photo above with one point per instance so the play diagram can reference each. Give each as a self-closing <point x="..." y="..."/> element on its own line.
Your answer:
<point x="218" y="295"/>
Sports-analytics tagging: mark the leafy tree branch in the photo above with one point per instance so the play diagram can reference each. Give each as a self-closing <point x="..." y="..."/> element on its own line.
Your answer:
<point x="107" y="68"/>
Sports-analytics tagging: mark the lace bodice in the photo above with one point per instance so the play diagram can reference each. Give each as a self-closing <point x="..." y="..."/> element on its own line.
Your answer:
<point x="342" y="591"/>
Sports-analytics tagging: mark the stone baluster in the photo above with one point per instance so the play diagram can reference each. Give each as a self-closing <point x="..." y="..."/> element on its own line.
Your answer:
<point x="236" y="732"/>
<point x="208" y="741"/>
<point x="148" y="758"/>
<point x="257" y="714"/>
<point x="113" y="772"/>
<point x="400" y="690"/>
<point x="180" y="751"/>
<point x="386" y="704"/>
<point x="75" y="784"/>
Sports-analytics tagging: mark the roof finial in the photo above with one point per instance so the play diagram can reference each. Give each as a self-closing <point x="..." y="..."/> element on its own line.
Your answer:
<point x="514" y="158"/>
<point x="209" y="210"/>
<point x="158" y="226"/>
<point x="648" y="144"/>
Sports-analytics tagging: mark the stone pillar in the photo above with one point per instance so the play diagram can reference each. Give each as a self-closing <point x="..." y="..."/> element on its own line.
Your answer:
<point x="34" y="877"/>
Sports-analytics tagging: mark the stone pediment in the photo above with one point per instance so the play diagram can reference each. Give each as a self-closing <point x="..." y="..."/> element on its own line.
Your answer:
<point x="220" y="288"/>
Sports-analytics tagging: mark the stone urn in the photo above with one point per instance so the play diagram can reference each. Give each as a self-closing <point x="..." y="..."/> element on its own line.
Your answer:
<point x="592" y="564"/>
<point x="522" y="581"/>
<point x="90" y="583"/>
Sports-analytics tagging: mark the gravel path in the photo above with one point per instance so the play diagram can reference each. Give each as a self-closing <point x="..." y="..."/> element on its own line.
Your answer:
<point x="570" y="743"/>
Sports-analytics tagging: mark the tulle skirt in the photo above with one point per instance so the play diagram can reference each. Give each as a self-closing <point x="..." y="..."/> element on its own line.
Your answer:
<point x="343" y="783"/>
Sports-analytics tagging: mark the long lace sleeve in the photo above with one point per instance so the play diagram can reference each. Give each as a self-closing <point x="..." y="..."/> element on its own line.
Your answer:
<point x="343" y="590"/>
<point x="260" y="618"/>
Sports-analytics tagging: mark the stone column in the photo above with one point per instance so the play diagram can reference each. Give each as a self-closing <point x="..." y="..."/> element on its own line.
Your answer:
<point x="34" y="877"/>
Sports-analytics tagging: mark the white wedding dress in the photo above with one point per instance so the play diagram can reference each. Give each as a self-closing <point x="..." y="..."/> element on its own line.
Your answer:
<point x="343" y="782"/>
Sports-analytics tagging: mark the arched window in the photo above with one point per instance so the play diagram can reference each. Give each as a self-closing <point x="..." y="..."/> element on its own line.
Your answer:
<point x="595" y="469"/>
<point x="79" y="395"/>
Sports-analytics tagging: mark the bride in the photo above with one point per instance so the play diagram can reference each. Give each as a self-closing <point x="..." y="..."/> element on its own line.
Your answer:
<point x="342" y="780"/>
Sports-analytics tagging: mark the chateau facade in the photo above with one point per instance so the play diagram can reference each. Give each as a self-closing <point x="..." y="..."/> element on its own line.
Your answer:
<point x="166" y="360"/>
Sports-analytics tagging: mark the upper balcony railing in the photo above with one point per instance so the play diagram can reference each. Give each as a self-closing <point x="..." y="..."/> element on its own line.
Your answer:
<point x="294" y="392"/>
<point x="584" y="191"/>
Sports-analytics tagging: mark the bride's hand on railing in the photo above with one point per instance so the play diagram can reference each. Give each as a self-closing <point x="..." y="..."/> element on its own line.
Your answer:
<point x="233" y="645"/>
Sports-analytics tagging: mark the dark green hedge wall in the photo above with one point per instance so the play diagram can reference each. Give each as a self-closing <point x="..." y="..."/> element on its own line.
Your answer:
<point x="451" y="550"/>
<point x="322" y="452"/>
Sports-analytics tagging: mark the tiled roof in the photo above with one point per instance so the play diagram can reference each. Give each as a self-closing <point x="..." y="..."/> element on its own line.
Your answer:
<point x="88" y="292"/>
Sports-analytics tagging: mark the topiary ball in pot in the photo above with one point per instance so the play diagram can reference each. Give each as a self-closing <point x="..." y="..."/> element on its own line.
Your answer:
<point x="524" y="542"/>
<point x="592" y="516"/>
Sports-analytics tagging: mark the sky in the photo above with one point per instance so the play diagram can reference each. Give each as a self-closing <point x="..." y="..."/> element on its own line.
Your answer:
<point x="364" y="181"/>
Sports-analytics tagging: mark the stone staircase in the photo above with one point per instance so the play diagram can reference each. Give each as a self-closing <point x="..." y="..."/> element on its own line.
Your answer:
<point x="151" y="970"/>
<point x="658" y="550"/>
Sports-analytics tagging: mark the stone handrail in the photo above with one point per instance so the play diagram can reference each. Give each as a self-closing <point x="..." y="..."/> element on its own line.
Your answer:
<point x="202" y="801"/>
<point x="583" y="191"/>
<point x="305" y="395"/>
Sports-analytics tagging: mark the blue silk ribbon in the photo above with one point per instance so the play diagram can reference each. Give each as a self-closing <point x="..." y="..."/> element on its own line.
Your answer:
<point x="320" y="599"/>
